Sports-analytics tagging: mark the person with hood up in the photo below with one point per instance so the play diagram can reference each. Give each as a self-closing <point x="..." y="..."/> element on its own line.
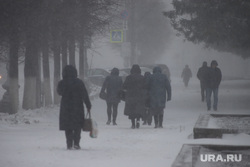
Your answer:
<point x="201" y="75"/>
<point x="134" y="99"/>
<point x="112" y="86"/>
<point x="213" y="80"/>
<point x="158" y="86"/>
<point x="186" y="75"/>
<point x="74" y="94"/>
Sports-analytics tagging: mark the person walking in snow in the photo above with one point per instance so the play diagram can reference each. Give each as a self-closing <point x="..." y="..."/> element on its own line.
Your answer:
<point x="158" y="86"/>
<point x="74" y="94"/>
<point x="186" y="75"/>
<point x="213" y="80"/>
<point x="111" y="87"/>
<point x="201" y="75"/>
<point x="134" y="99"/>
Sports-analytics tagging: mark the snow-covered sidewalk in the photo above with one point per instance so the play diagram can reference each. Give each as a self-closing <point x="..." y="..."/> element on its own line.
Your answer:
<point x="32" y="138"/>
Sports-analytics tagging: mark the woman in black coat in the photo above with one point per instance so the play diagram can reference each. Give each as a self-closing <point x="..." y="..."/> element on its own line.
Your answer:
<point x="158" y="87"/>
<point x="112" y="86"/>
<point x="74" y="94"/>
<point x="134" y="99"/>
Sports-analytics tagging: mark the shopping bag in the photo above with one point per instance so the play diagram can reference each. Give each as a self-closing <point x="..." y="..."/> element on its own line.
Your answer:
<point x="94" y="131"/>
<point x="87" y="123"/>
<point x="90" y="126"/>
<point x="103" y="95"/>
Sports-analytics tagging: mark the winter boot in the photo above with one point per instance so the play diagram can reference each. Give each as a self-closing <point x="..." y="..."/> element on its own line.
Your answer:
<point x="160" y="121"/>
<point x="133" y="123"/>
<point x="156" y="118"/>
<point x="137" y="124"/>
<point x="69" y="139"/>
<point x="114" y="122"/>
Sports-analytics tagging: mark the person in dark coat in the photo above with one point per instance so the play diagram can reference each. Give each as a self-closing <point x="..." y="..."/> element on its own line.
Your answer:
<point x="201" y="75"/>
<point x="158" y="86"/>
<point x="74" y="94"/>
<point x="134" y="99"/>
<point x="112" y="86"/>
<point x="147" y="115"/>
<point x="213" y="80"/>
<point x="186" y="75"/>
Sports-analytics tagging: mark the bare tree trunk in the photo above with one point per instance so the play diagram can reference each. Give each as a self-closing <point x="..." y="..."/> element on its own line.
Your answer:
<point x="64" y="51"/>
<point x="46" y="87"/>
<point x="13" y="72"/>
<point x="72" y="30"/>
<point x="81" y="58"/>
<point x="30" y="73"/>
<point x="57" y="66"/>
<point x="38" y="83"/>
<point x="72" y="49"/>
<point x="46" y="92"/>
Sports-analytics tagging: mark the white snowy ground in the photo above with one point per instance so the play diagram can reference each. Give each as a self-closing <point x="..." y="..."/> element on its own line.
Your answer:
<point x="32" y="138"/>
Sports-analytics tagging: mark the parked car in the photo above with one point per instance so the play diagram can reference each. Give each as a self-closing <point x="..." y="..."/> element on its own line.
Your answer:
<point x="164" y="68"/>
<point x="143" y="70"/>
<point x="98" y="75"/>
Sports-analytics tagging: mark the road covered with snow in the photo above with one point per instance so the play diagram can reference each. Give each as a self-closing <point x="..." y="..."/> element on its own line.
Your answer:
<point x="32" y="139"/>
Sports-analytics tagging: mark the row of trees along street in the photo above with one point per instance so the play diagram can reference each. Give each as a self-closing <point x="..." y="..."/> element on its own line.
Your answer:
<point x="218" y="24"/>
<point x="49" y="28"/>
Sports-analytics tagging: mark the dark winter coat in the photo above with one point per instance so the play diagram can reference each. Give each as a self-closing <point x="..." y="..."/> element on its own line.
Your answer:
<point x="158" y="87"/>
<point x="134" y="88"/>
<point x="201" y="75"/>
<point x="213" y="77"/>
<point x="112" y="86"/>
<point x="147" y="76"/>
<point x="74" y="94"/>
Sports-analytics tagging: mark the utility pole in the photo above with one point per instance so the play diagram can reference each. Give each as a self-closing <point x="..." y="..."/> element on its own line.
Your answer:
<point x="132" y="31"/>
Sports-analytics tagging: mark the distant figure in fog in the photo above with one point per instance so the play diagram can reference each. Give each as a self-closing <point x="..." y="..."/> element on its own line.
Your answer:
<point x="71" y="117"/>
<point x="147" y="115"/>
<point x="112" y="86"/>
<point x="201" y="75"/>
<point x="213" y="79"/>
<point x="158" y="86"/>
<point x="134" y="98"/>
<point x="186" y="75"/>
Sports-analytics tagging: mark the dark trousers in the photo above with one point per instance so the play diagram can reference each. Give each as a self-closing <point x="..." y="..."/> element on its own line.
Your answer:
<point x="134" y="119"/>
<point x="112" y="110"/>
<point x="203" y="91"/>
<point x="147" y="116"/>
<point x="158" y="120"/>
<point x="73" y="137"/>
<point x="209" y="92"/>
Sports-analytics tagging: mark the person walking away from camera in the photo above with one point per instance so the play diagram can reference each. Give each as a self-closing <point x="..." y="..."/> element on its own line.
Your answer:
<point x="134" y="99"/>
<point x="213" y="80"/>
<point x="201" y="75"/>
<point x="158" y="86"/>
<point x="112" y="86"/>
<point x="74" y="94"/>
<point x="186" y="75"/>
<point x="147" y="115"/>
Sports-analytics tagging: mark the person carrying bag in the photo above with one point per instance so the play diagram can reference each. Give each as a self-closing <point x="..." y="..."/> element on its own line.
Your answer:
<point x="110" y="93"/>
<point x="74" y="95"/>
